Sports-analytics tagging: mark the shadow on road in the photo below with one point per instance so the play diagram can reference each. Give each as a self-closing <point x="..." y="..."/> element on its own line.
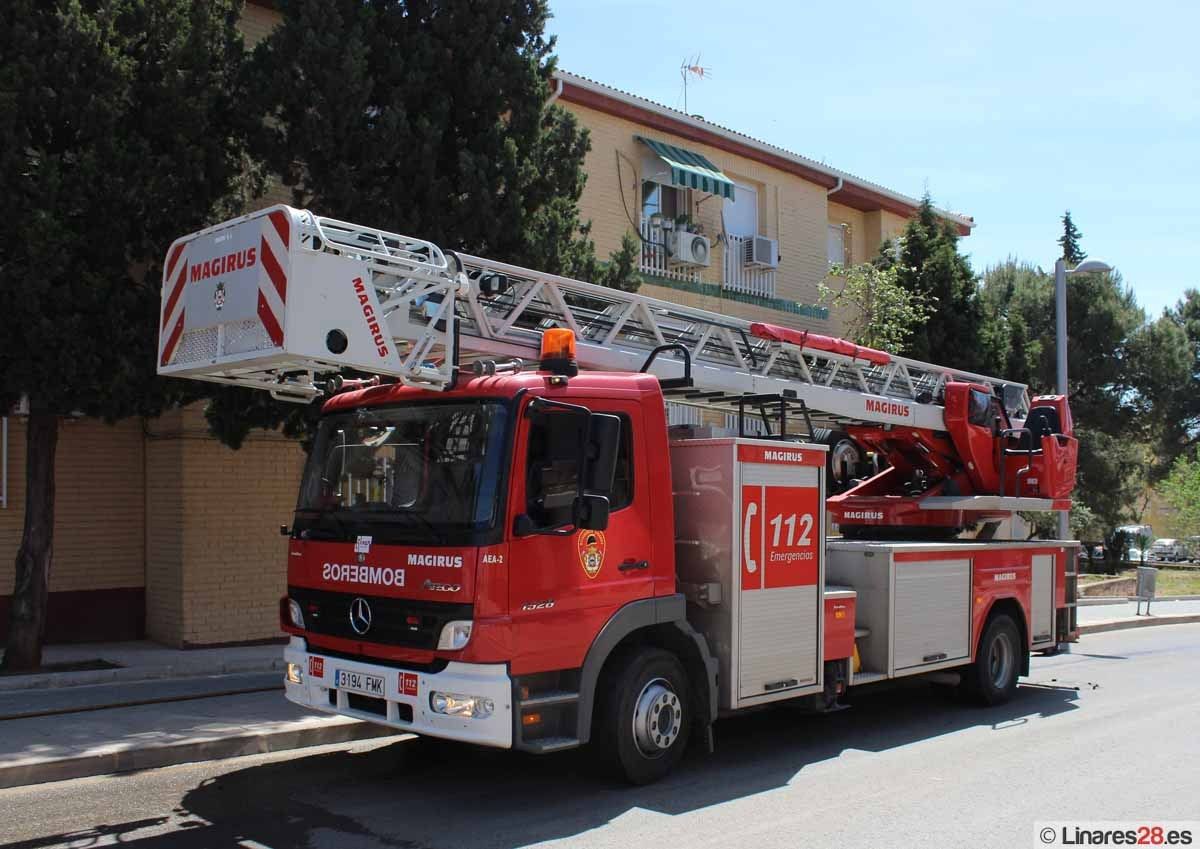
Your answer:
<point x="425" y="793"/>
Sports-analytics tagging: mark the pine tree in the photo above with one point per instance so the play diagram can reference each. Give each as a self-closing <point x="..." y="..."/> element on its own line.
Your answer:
<point x="119" y="128"/>
<point x="429" y="119"/>
<point x="931" y="268"/>
<point x="1072" y="253"/>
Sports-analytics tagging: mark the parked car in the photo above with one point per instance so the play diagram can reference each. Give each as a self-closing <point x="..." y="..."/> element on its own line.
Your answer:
<point x="1168" y="551"/>
<point x="1133" y="554"/>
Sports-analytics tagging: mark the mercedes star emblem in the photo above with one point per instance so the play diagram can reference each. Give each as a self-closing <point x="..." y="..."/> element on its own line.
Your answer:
<point x="360" y="616"/>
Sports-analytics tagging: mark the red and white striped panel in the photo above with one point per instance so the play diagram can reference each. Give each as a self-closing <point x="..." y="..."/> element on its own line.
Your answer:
<point x="174" y="279"/>
<point x="273" y="260"/>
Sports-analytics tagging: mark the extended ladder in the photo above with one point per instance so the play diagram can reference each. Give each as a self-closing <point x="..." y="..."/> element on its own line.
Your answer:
<point x="275" y="299"/>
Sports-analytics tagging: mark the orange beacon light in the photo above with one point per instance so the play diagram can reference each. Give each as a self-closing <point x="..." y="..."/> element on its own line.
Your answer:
<point x="558" y="352"/>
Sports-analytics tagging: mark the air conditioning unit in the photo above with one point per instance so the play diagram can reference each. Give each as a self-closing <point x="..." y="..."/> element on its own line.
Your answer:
<point x="689" y="248"/>
<point x="761" y="251"/>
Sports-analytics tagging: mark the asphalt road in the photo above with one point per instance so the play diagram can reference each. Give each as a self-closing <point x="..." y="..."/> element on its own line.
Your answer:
<point x="1110" y="732"/>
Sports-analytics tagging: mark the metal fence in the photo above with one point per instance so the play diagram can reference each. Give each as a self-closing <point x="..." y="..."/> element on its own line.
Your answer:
<point x="739" y="277"/>
<point x="735" y="274"/>
<point x="656" y="259"/>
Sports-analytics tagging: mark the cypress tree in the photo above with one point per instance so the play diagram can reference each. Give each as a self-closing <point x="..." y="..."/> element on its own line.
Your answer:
<point x="1069" y="241"/>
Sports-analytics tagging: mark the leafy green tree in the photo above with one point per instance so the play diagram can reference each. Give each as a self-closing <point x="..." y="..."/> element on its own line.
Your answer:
<point x="430" y="119"/>
<point x="1111" y="353"/>
<point x="932" y="270"/>
<point x="881" y="313"/>
<point x="1014" y="297"/>
<point x="1181" y="490"/>
<point x="1176" y="382"/>
<point x="1069" y="241"/>
<point x="119" y="131"/>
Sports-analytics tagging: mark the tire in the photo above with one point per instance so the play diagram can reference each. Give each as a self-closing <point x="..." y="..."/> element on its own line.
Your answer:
<point x="992" y="678"/>
<point x="843" y="452"/>
<point x="646" y="691"/>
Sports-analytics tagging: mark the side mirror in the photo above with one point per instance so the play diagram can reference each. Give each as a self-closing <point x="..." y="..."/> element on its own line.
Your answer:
<point x="600" y="458"/>
<point x="591" y="512"/>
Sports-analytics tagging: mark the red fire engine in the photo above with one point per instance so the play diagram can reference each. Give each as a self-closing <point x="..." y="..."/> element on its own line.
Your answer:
<point x="531" y="558"/>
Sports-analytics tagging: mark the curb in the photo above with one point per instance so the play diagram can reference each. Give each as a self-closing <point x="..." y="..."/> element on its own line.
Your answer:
<point x="53" y="680"/>
<point x="1140" y="622"/>
<point x="1088" y="601"/>
<point x="170" y="754"/>
<point x="155" y="700"/>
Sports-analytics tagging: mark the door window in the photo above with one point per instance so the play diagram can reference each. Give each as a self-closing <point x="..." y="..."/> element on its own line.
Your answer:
<point x="552" y="477"/>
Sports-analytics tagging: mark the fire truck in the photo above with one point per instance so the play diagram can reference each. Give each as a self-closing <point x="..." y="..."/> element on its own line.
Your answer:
<point x="499" y="539"/>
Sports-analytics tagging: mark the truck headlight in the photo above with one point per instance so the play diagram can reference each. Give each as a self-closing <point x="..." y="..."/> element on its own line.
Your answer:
<point x="295" y="614"/>
<point x="455" y="635"/>
<point x="456" y="704"/>
<point x="295" y="674"/>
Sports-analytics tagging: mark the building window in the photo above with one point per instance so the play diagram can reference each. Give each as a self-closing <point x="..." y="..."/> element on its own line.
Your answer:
<point x="838" y="244"/>
<point x="740" y="214"/>
<point x="665" y="201"/>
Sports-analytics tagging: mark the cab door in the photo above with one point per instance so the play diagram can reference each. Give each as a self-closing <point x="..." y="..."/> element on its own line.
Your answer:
<point x="565" y="583"/>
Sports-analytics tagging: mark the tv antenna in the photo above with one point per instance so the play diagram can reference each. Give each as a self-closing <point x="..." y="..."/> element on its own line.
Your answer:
<point x="692" y="67"/>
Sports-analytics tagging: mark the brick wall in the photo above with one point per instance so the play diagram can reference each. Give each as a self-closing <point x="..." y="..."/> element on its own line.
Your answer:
<point x="164" y="529"/>
<point x="99" y="526"/>
<point x="216" y="562"/>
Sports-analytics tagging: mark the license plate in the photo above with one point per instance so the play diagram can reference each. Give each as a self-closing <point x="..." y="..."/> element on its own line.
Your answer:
<point x="360" y="682"/>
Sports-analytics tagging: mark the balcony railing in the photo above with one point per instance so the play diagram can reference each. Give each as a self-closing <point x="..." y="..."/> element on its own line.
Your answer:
<point x="656" y="258"/>
<point x="735" y="274"/>
<point x="739" y="277"/>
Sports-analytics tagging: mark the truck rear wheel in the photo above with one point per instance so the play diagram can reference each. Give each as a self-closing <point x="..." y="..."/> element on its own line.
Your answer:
<point x="645" y="718"/>
<point x="992" y="678"/>
<point x="844" y="461"/>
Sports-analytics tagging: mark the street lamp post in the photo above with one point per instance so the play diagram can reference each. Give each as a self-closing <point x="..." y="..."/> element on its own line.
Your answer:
<point x="1088" y="266"/>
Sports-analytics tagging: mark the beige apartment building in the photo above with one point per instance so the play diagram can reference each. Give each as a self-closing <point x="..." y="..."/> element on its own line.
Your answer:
<point x="769" y="222"/>
<point x="162" y="532"/>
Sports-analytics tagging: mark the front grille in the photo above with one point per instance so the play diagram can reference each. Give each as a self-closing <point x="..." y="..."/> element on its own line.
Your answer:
<point x="433" y="667"/>
<point x="394" y="621"/>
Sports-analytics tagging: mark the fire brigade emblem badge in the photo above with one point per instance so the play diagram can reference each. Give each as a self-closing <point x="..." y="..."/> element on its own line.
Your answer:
<point x="219" y="296"/>
<point x="591" y="548"/>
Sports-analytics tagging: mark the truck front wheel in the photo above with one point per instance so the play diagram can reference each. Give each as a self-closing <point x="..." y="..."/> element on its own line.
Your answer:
<point x="992" y="678"/>
<point x="644" y="719"/>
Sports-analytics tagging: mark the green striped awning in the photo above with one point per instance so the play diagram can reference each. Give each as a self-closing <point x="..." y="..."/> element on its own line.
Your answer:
<point x="691" y="170"/>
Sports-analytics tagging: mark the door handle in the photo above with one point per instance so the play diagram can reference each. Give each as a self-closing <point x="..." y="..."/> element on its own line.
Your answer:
<point x="631" y="565"/>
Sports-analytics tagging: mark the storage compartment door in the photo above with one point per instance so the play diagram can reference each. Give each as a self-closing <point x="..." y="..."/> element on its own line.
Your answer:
<point x="1042" y="600"/>
<point x="781" y="577"/>
<point x="931" y="612"/>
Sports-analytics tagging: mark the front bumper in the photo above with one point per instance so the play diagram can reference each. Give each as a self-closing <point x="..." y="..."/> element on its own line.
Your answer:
<point x="475" y="679"/>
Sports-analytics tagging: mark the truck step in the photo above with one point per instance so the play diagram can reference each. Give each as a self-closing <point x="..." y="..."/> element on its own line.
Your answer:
<point x="867" y="678"/>
<point x="555" y="697"/>
<point x="551" y="744"/>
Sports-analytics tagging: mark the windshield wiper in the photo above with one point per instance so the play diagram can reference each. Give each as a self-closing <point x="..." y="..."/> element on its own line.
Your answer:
<point x="341" y="533"/>
<point x="433" y="530"/>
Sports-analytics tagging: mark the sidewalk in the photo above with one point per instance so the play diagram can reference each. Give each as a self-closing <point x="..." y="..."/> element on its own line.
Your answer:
<point x="1121" y="613"/>
<point x="162" y="706"/>
<point x="138" y="661"/>
<point x="98" y="742"/>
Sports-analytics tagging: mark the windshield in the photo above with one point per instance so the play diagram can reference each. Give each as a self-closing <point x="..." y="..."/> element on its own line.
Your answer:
<point x="420" y="473"/>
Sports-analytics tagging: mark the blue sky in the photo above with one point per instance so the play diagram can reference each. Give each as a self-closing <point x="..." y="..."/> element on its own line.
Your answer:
<point x="1010" y="112"/>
